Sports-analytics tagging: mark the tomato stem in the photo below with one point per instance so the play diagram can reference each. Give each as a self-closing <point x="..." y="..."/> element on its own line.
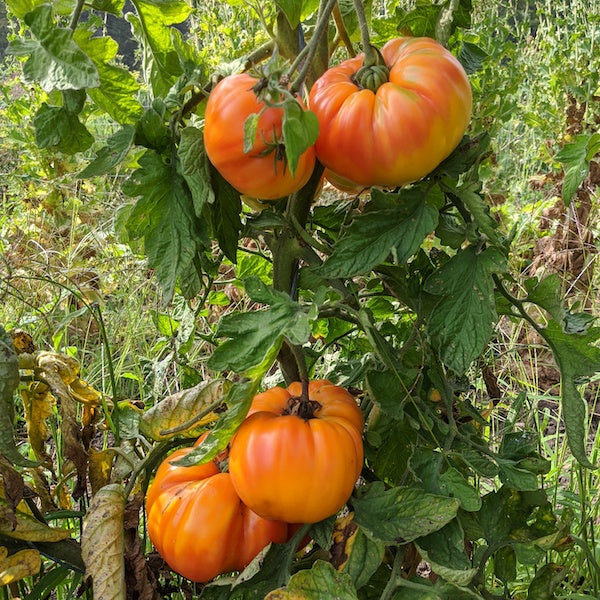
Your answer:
<point x="371" y="55"/>
<point x="312" y="47"/>
<point x="300" y="359"/>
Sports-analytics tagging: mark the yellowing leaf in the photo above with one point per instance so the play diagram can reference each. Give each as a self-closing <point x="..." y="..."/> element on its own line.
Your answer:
<point x="103" y="544"/>
<point x="99" y="466"/>
<point x="22" y="526"/>
<point x="38" y="403"/>
<point x="177" y="414"/>
<point x="344" y="532"/>
<point x="19" y="565"/>
<point x="22" y="341"/>
<point x="85" y="393"/>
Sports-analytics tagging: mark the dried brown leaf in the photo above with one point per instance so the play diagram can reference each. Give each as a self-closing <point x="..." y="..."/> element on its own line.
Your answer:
<point x="103" y="544"/>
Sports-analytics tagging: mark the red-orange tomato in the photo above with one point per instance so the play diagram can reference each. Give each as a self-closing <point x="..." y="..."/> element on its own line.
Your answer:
<point x="266" y="177"/>
<point x="401" y="132"/>
<point x="198" y="523"/>
<point x="294" y="469"/>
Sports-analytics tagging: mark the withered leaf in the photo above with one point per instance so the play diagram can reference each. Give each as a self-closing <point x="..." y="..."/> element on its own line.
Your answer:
<point x="38" y="403"/>
<point x="99" y="467"/>
<point x="19" y="565"/>
<point x="178" y="414"/>
<point x="23" y="526"/>
<point x="103" y="544"/>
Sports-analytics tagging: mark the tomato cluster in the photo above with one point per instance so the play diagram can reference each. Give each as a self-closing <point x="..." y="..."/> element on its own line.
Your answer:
<point x="293" y="460"/>
<point x="386" y="125"/>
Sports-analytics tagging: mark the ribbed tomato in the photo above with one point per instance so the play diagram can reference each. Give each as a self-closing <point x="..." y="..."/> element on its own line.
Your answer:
<point x="198" y="523"/>
<point x="260" y="173"/>
<point x="403" y="130"/>
<point x="296" y="461"/>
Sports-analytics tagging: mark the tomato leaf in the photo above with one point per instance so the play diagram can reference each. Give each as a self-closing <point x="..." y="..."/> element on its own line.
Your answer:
<point x="21" y="525"/>
<point x="226" y="211"/>
<point x="103" y="542"/>
<point x="576" y="158"/>
<point x="57" y="128"/>
<point x="292" y="10"/>
<point x="117" y="92"/>
<point x="401" y="513"/>
<point x="462" y="322"/>
<point x="250" y="128"/>
<point x="372" y="236"/>
<point x="195" y="168"/>
<point x="578" y="357"/>
<point x="9" y="381"/>
<point x="238" y="400"/>
<point x="55" y="61"/>
<point x="252" y="334"/>
<point x="178" y="411"/>
<point x="19" y="565"/>
<point x="164" y="216"/>
<point x="444" y="550"/>
<point x="152" y="26"/>
<point x="320" y="582"/>
<point x="300" y="132"/>
<point x="546" y="580"/>
<point x="109" y="156"/>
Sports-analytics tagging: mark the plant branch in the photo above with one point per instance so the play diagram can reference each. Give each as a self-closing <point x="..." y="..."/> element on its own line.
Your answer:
<point x="313" y="46"/>
<point x="341" y="29"/>
<point x="76" y="14"/>
<point x="371" y="55"/>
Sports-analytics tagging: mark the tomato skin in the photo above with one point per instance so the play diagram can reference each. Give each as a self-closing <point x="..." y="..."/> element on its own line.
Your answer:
<point x="198" y="523"/>
<point x="263" y="177"/>
<point x="401" y="132"/>
<point x="296" y="470"/>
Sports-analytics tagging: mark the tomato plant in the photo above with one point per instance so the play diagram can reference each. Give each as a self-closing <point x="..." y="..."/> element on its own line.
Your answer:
<point x="401" y="127"/>
<point x="260" y="171"/>
<point x="296" y="459"/>
<point x="198" y="523"/>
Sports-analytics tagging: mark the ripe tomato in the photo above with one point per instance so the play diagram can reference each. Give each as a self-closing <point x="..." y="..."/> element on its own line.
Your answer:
<point x="259" y="173"/>
<point x="294" y="468"/>
<point x="401" y="132"/>
<point x="198" y="523"/>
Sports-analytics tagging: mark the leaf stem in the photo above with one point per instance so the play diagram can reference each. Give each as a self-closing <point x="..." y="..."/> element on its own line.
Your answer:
<point x="76" y="14"/>
<point x="313" y="46"/>
<point x="395" y="579"/>
<point x="342" y="31"/>
<point x="300" y="359"/>
<point x="371" y="56"/>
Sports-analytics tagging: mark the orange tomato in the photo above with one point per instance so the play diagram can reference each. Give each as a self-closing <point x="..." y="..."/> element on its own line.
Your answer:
<point x="298" y="468"/>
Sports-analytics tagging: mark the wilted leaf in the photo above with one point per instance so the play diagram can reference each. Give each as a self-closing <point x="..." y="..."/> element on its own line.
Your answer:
<point x="9" y="381"/>
<point x="38" y="403"/>
<point x="320" y="582"/>
<point x="99" y="467"/>
<point x="355" y="553"/>
<point x="103" y="544"/>
<point x="19" y="565"/>
<point x="176" y="414"/>
<point x="23" y="526"/>
<point x="22" y="341"/>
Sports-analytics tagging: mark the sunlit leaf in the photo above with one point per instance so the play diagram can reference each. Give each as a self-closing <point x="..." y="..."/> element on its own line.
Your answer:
<point x="23" y="526"/>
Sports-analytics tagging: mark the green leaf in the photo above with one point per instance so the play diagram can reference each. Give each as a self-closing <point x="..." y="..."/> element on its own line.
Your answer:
<point x="238" y="401"/>
<point x="400" y="513"/>
<point x="422" y="20"/>
<point x="320" y="582"/>
<point x="195" y="167"/>
<point x="444" y="550"/>
<point x="253" y="334"/>
<point x="61" y="130"/>
<point x="372" y="236"/>
<point x="250" y="128"/>
<point x="118" y="89"/>
<point x="9" y="381"/>
<point x="462" y="322"/>
<point x="547" y="294"/>
<point x="468" y="194"/>
<point x="576" y="158"/>
<point x="20" y="8"/>
<point x="518" y="479"/>
<point x="109" y="156"/>
<point x="226" y="211"/>
<point x="505" y="564"/>
<point x="155" y="17"/>
<point x="578" y="357"/>
<point x="292" y="10"/>
<point x="365" y="556"/>
<point x="114" y="7"/>
<point x="300" y="131"/>
<point x="472" y="57"/>
<point x="453" y="484"/>
<point x="546" y="580"/>
<point x="55" y="61"/>
<point x="164" y="216"/>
